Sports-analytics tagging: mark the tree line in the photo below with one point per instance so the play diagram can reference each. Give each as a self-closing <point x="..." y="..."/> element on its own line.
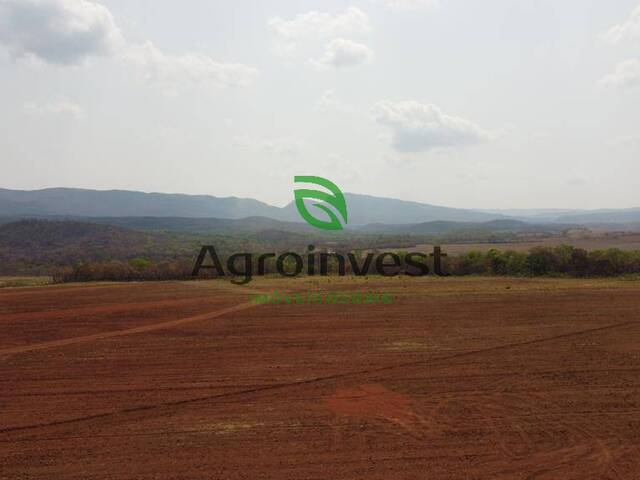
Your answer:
<point x="561" y="260"/>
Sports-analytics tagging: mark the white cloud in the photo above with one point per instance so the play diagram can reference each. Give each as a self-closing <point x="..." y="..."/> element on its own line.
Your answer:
<point x="175" y="70"/>
<point x="411" y="4"/>
<point x="65" y="109"/>
<point x="628" y="30"/>
<point x="306" y="35"/>
<point x="321" y="25"/>
<point x="418" y="127"/>
<point x="345" y="53"/>
<point x="68" y="32"/>
<point x="65" y="32"/>
<point x="625" y="75"/>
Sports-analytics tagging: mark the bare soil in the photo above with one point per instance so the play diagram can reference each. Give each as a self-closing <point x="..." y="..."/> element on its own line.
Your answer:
<point x="459" y="378"/>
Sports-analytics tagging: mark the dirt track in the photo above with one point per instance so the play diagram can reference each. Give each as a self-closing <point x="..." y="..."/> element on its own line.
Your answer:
<point x="459" y="378"/>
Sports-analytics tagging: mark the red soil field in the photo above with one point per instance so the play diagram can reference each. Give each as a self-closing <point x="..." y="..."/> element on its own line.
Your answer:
<point x="458" y="378"/>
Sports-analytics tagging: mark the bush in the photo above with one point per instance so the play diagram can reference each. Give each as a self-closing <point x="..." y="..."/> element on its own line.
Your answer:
<point x="563" y="260"/>
<point x="114" y="271"/>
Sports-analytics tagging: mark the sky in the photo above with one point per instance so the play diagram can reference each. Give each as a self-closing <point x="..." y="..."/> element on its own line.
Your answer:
<point x="492" y="104"/>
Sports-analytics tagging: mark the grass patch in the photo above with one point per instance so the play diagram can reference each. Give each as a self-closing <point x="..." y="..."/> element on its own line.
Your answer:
<point x="15" y="282"/>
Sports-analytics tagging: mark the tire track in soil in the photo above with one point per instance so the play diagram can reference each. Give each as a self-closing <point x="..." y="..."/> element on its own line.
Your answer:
<point x="577" y="445"/>
<point x="127" y="331"/>
<point x="100" y="309"/>
<point x="310" y="381"/>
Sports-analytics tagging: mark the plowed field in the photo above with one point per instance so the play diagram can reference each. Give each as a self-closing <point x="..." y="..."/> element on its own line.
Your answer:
<point x="458" y="378"/>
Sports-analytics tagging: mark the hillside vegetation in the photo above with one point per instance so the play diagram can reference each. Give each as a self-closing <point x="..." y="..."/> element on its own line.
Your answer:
<point x="83" y="251"/>
<point x="37" y="247"/>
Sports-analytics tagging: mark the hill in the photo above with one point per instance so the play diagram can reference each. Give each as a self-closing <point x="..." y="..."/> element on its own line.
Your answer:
<point x="622" y="216"/>
<point x="363" y="209"/>
<point x="35" y="246"/>
<point x="222" y="226"/>
<point x="231" y="215"/>
<point x="367" y="209"/>
<point x="441" y="227"/>
<point x="38" y="246"/>
<point x="121" y="203"/>
<point x="477" y="229"/>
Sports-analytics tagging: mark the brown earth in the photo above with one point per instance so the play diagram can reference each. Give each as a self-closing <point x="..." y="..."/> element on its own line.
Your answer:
<point x="459" y="378"/>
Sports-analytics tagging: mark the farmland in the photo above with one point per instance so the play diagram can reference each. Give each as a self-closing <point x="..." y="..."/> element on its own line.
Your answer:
<point x="626" y="241"/>
<point x="457" y="378"/>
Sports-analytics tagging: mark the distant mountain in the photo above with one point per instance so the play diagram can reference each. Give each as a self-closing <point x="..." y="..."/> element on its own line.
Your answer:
<point x="363" y="209"/>
<point x="223" y="226"/>
<point x="609" y="216"/>
<point x="536" y="214"/>
<point x="628" y="215"/>
<point x="441" y="227"/>
<point x="266" y="229"/>
<point x="121" y="203"/>
<point x="366" y="209"/>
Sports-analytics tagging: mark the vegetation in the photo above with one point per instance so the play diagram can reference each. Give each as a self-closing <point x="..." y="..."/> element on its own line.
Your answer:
<point x="562" y="260"/>
<point x="541" y="261"/>
<point x="80" y="251"/>
<point x="11" y="282"/>
<point x="45" y="247"/>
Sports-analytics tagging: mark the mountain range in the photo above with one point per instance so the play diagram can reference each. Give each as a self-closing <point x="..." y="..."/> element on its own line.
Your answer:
<point x="364" y="210"/>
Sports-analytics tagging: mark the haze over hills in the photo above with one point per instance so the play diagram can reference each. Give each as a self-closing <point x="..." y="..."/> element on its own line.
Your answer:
<point x="367" y="209"/>
<point x="440" y="227"/>
<point x="259" y="225"/>
<point x="224" y="226"/>
<point x="363" y="210"/>
<point x="627" y="215"/>
<point x="122" y="203"/>
<point x="610" y="215"/>
<point x="73" y="202"/>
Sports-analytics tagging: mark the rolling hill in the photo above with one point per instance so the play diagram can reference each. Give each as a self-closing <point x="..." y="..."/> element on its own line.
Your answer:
<point x="443" y="227"/>
<point x="627" y="215"/>
<point x="222" y="226"/>
<point x="367" y="209"/>
<point x="37" y="246"/>
<point x="253" y="215"/>
<point x="72" y="202"/>
<point x="121" y="203"/>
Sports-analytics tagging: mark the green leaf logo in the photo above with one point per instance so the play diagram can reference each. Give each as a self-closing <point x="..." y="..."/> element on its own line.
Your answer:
<point x="335" y="199"/>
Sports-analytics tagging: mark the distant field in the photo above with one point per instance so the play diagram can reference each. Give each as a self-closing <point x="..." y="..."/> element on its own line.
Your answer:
<point x="459" y="378"/>
<point x="626" y="241"/>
